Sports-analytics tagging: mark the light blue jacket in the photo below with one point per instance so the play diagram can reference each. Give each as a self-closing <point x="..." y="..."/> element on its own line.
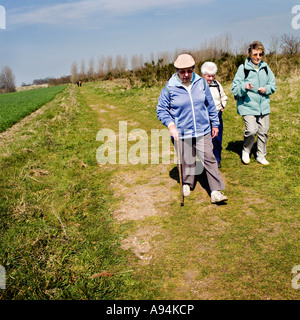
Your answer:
<point x="251" y="102"/>
<point x="193" y="113"/>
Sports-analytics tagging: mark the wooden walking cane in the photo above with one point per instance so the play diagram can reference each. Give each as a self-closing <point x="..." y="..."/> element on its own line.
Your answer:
<point x="180" y="176"/>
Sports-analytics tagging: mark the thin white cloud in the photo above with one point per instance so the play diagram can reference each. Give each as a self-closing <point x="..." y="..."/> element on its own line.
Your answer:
<point x="78" y="13"/>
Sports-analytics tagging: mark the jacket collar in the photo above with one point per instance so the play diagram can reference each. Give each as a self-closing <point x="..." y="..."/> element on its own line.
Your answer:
<point x="176" y="82"/>
<point x="250" y="66"/>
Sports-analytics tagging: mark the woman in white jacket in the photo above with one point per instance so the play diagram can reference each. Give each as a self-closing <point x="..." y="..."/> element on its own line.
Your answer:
<point x="209" y="70"/>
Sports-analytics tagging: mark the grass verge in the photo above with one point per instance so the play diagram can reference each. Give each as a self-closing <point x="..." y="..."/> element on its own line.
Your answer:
<point x="55" y="222"/>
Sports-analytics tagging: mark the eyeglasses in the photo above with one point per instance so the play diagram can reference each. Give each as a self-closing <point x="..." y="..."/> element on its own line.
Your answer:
<point x="183" y="72"/>
<point x="257" y="54"/>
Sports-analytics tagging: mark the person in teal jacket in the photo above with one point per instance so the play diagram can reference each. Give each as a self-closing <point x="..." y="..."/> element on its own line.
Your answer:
<point x="252" y="85"/>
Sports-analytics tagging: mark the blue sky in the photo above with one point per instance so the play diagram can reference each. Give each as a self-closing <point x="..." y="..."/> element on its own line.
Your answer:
<point x="42" y="38"/>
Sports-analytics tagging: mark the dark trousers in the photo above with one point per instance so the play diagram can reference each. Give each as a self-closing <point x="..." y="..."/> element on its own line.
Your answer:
<point x="217" y="141"/>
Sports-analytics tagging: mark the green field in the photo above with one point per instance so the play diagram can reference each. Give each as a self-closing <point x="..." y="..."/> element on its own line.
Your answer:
<point x="17" y="105"/>
<point x="71" y="228"/>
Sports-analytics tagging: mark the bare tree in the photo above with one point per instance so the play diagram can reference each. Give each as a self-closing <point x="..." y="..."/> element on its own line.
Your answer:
<point x="274" y="45"/>
<point x="109" y="64"/>
<point x="91" y="72"/>
<point x="74" y="72"/>
<point x="7" y="80"/>
<point x="82" y="69"/>
<point x="166" y="57"/>
<point x="120" y="63"/>
<point x="137" y="62"/>
<point x="290" y="44"/>
<point x="101" y="64"/>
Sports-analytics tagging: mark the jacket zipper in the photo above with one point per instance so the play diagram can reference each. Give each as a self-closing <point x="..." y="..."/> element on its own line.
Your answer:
<point x="193" y="109"/>
<point x="259" y="93"/>
<point x="194" y="117"/>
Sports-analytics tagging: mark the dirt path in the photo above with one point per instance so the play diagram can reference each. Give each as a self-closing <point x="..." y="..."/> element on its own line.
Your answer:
<point x="147" y="195"/>
<point x="145" y="192"/>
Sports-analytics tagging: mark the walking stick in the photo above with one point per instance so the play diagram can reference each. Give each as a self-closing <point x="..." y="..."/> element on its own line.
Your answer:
<point x="180" y="176"/>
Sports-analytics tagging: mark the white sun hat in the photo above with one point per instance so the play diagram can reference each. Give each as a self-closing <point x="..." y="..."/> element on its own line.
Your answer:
<point x="184" y="61"/>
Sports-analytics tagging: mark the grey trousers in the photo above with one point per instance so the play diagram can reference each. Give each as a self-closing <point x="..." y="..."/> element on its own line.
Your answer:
<point x="256" y="125"/>
<point x="202" y="148"/>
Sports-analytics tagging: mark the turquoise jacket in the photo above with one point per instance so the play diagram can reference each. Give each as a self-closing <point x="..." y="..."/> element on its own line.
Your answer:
<point x="192" y="112"/>
<point x="251" y="102"/>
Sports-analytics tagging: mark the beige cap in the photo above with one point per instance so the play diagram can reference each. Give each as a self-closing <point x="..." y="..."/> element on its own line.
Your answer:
<point x="184" y="61"/>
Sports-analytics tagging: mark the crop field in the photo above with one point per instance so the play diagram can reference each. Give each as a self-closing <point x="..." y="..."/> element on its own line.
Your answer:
<point x="74" y="228"/>
<point x="15" y="106"/>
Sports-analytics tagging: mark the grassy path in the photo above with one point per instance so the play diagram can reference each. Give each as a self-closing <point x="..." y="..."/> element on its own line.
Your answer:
<point x="65" y="219"/>
<point x="243" y="250"/>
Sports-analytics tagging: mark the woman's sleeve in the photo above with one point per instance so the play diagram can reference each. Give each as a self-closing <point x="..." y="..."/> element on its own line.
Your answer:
<point x="238" y="84"/>
<point x="271" y="84"/>
<point x="163" y="107"/>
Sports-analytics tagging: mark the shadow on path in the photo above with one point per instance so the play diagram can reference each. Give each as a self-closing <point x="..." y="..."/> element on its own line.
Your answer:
<point x="201" y="178"/>
<point x="237" y="147"/>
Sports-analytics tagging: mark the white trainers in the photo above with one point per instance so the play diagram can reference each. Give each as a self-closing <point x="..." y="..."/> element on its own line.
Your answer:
<point x="262" y="161"/>
<point x="218" y="196"/>
<point x="186" y="190"/>
<point x="245" y="157"/>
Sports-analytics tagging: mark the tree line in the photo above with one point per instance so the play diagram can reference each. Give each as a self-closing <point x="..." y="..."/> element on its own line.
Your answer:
<point x="283" y="58"/>
<point x="7" y="80"/>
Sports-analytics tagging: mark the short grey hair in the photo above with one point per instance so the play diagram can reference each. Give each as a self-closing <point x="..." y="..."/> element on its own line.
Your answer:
<point x="209" y="68"/>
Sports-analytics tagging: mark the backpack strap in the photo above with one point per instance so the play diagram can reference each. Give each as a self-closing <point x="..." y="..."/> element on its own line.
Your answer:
<point x="216" y="84"/>
<point x="246" y="72"/>
<point x="266" y="69"/>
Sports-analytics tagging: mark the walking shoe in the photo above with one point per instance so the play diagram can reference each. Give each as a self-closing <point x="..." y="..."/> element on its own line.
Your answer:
<point x="262" y="161"/>
<point x="186" y="190"/>
<point x="245" y="157"/>
<point x="218" y="196"/>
